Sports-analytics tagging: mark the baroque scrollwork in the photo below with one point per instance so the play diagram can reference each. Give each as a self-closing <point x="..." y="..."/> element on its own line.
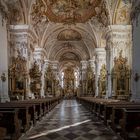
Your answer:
<point x="11" y="11"/>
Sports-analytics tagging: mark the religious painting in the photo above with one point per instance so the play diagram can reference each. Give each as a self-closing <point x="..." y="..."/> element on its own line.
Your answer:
<point x="69" y="35"/>
<point x="66" y="11"/>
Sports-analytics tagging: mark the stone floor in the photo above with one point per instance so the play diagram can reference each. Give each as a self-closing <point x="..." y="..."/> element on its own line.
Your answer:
<point x="69" y="121"/>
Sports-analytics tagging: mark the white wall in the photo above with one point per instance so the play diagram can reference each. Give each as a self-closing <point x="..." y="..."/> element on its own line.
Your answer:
<point x="3" y="61"/>
<point x="136" y="61"/>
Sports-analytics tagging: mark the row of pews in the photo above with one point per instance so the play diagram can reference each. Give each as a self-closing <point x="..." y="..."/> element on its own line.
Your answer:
<point x="121" y="116"/>
<point x="17" y="117"/>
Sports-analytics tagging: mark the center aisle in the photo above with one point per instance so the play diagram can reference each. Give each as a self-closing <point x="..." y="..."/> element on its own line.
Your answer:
<point x="69" y="121"/>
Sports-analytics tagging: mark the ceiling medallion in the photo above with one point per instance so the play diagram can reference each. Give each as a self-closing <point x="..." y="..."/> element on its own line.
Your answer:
<point x="69" y="11"/>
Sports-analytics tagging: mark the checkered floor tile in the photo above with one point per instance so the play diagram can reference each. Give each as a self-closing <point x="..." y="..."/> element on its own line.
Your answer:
<point x="69" y="121"/>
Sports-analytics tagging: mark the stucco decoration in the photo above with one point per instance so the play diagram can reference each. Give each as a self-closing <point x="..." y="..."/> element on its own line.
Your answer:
<point x="69" y="35"/>
<point x="38" y="13"/>
<point x="12" y="11"/>
<point x="123" y="13"/>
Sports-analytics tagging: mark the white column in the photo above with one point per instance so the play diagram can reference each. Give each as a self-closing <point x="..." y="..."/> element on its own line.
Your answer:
<point x="39" y="56"/>
<point x="109" y="65"/>
<point x="99" y="61"/>
<point x="83" y="76"/>
<point x="43" y="77"/>
<point x="55" y="72"/>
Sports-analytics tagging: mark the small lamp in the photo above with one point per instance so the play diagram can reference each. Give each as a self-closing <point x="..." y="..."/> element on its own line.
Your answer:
<point x="136" y="78"/>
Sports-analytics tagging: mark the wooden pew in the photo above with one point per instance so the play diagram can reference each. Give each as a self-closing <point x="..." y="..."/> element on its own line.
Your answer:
<point x="114" y="114"/>
<point x="9" y="120"/>
<point x="108" y="107"/>
<point x="24" y="112"/>
<point x="117" y="114"/>
<point x="42" y="106"/>
<point x="88" y="102"/>
<point x="2" y="133"/>
<point x="129" y="122"/>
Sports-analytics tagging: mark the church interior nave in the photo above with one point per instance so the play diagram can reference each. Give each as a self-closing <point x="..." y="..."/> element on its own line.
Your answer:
<point x="69" y="69"/>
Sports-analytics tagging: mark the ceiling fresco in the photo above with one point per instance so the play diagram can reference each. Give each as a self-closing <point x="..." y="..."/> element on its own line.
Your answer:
<point x="69" y="35"/>
<point x="67" y="11"/>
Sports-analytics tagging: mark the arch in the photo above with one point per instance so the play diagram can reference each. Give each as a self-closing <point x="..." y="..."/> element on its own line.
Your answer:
<point x="63" y="51"/>
<point x="59" y="28"/>
<point x="51" y="41"/>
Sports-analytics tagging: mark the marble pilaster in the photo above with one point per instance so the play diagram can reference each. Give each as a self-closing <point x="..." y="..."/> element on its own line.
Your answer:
<point x="99" y="61"/>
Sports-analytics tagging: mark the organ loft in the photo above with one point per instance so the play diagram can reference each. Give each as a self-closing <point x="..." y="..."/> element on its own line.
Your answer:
<point x="69" y="69"/>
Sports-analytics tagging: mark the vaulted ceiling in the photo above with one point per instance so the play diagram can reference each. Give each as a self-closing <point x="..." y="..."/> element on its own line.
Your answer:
<point x="69" y="30"/>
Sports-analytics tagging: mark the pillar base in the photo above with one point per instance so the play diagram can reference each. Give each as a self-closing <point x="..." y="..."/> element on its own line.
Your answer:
<point x="135" y="98"/>
<point x="4" y="99"/>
